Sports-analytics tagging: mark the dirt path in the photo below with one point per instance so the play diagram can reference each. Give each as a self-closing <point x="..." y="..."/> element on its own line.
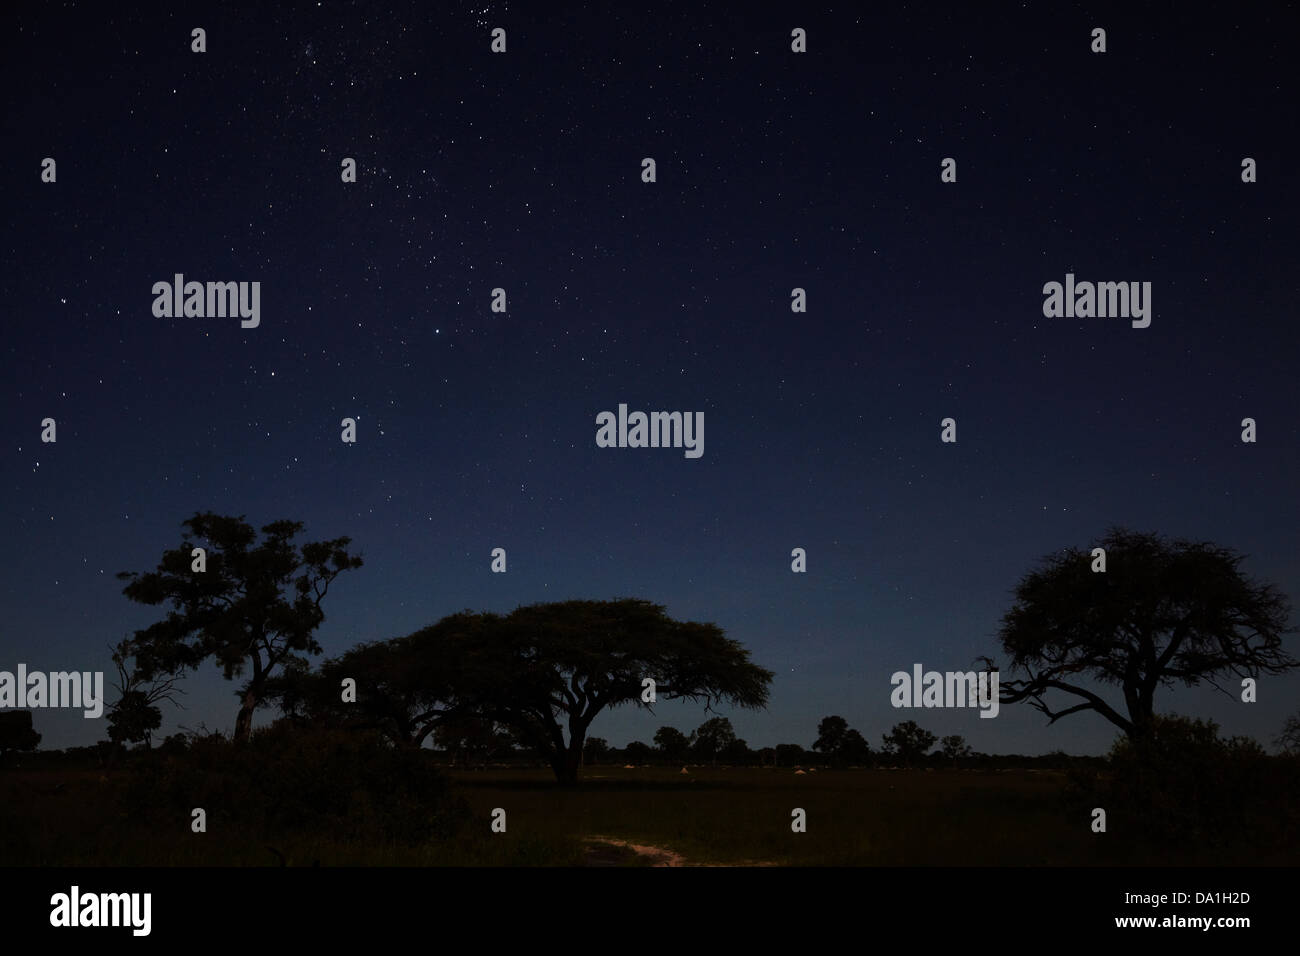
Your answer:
<point x="610" y="851"/>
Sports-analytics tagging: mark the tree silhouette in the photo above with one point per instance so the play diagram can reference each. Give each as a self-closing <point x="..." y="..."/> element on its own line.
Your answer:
<point x="401" y="686"/>
<point x="854" y="749"/>
<point x="840" y="743"/>
<point x="570" y="660"/>
<point x="472" y="737"/>
<point x="713" y="737"/>
<point x="1289" y="739"/>
<point x="908" y="742"/>
<point x="1158" y="614"/>
<point x="736" y="752"/>
<point x="830" y="735"/>
<point x="539" y="670"/>
<point x="955" y="747"/>
<point x="673" y="744"/>
<point x="787" y="755"/>
<point x="133" y="719"/>
<point x="16" y="733"/>
<point x="234" y="610"/>
<point x="637" y="752"/>
<point x="135" y="715"/>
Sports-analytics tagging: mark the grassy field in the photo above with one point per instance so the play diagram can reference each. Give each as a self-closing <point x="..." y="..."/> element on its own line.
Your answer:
<point x="727" y="816"/>
<point x="734" y="816"/>
<point x="711" y="816"/>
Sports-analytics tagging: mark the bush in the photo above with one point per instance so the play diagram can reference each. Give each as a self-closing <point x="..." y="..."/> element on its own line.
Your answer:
<point x="287" y="780"/>
<point x="1188" y="790"/>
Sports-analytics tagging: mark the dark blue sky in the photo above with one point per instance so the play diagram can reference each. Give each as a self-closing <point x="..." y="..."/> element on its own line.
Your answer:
<point x="775" y="170"/>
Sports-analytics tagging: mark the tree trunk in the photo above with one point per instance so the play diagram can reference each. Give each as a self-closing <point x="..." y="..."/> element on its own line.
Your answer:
<point x="1141" y="713"/>
<point x="567" y="762"/>
<point x="566" y="769"/>
<point x="252" y="697"/>
<point x="1141" y="727"/>
<point x="244" y="722"/>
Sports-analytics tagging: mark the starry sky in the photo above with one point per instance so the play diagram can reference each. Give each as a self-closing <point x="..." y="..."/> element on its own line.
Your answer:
<point x="775" y="170"/>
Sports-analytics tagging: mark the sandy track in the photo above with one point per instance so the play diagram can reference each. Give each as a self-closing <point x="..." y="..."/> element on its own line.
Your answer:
<point x="658" y="855"/>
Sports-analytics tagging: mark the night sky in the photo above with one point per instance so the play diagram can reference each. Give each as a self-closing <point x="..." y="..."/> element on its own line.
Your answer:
<point x="775" y="170"/>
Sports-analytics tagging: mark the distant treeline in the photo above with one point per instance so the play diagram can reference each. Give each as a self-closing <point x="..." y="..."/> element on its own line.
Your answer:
<point x="788" y="756"/>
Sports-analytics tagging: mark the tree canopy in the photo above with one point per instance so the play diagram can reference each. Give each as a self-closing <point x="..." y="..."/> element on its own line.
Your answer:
<point x="712" y="738"/>
<point x="908" y="741"/>
<point x="954" y="747"/>
<point x="1160" y="613"/>
<point x="831" y="732"/>
<point x="840" y="743"/>
<point x="136" y="715"/>
<point x="246" y="607"/>
<point x="540" y="670"/>
<point x="672" y="743"/>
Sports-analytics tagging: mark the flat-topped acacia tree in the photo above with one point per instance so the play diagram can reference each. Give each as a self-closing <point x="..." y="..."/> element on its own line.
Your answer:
<point x="1161" y="613"/>
<point x="540" y="670"/>
<point x="249" y="607"/>
<point x="565" y="662"/>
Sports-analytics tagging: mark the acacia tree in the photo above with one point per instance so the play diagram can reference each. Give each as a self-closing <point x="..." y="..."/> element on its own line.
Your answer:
<point x="407" y="688"/>
<point x="547" y="668"/>
<point x="254" y="608"/>
<point x="570" y="660"/>
<point x="472" y="738"/>
<point x="1160" y="613"/>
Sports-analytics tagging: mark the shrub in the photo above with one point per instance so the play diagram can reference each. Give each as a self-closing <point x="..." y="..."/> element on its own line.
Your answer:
<point x="287" y="780"/>
<point x="1187" y="789"/>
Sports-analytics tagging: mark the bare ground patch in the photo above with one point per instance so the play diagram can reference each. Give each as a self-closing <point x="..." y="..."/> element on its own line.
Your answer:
<point x="611" y="851"/>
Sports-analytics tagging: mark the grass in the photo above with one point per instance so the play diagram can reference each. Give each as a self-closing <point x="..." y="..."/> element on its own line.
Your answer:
<point x="854" y="818"/>
<point x="719" y="816"/>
